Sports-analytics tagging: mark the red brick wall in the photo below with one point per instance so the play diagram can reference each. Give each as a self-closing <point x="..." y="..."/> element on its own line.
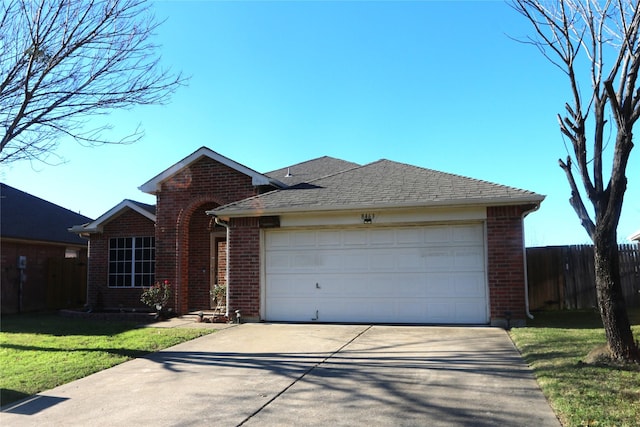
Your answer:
<point x="244" y="268"/>
<point x="506" y="272"/>
<point x="198" y="274"/>
<point x="99" y="294"/>
<point x="181" y="236"/>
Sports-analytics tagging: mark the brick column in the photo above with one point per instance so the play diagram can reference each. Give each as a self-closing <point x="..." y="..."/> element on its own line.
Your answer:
<point x="506" y="264"/>
<point x="244" y="268"/>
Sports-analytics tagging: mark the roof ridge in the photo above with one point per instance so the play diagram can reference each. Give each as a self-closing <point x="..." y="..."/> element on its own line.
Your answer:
<point x="307" y="161"/>
<point x="484" y="181"/>
<point x="337" y="173"/>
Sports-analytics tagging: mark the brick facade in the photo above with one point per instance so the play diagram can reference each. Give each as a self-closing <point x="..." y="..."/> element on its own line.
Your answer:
<point x="99" y="294"/>
<point x="244" y="268"/>
<point x="506" y="264"/>
<point x="185" y="236"/>
<point x="183" y="229"/>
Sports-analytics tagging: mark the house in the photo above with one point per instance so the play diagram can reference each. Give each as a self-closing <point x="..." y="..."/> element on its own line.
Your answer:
<point x="635" y="237"/>
<point x="43" y="265"/>
<point x="325" y="240"/>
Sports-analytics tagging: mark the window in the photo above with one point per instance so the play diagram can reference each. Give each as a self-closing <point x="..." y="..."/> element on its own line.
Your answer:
<point x="132" y="261"/>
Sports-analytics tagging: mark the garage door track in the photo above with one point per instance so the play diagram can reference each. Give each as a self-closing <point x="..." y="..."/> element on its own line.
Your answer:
<point x="284" y="374"/>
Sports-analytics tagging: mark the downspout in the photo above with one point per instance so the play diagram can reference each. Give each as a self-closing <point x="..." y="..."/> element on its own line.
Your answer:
<point x="524" y="258"/>
<point x="224" y="224"/>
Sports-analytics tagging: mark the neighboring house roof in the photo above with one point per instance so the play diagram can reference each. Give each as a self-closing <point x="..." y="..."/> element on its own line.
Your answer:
<point x="148" y="211"/>
<point x="635" y="236"/>
<point x="153" y="185"/>
<point x="27" y="217"/>
<point x="311" y="170"/>
<point x="381" y="184"/>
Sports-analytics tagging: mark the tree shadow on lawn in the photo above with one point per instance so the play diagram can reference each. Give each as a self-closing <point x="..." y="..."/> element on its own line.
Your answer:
<point x="126" y="352"/>
<point x="56" y="325"/>
<point x="575" y="319"/>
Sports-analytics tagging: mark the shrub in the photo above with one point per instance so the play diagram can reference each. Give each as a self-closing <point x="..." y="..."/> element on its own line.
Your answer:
<point x="157" y="297"/>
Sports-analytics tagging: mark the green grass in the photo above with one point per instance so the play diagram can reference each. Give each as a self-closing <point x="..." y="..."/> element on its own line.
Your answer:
<point x="555" y="345"/>
<point x="42" y="351"/>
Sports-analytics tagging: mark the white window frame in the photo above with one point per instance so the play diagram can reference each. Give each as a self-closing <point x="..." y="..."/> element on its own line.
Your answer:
<point x="130" y="260"/>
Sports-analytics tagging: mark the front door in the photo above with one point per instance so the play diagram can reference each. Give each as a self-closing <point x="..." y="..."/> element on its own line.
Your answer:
<point x="218" y="271"/>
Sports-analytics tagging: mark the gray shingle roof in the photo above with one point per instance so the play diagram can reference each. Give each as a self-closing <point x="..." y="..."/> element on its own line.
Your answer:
<point x="381" y="184"/>
<point x="28" y="217"/>
<point x="311" y="170"/>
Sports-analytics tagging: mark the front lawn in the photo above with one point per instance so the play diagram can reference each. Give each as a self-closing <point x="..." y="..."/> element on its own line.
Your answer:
<point x="555" y="344"/>
<point x="42" y="351"/>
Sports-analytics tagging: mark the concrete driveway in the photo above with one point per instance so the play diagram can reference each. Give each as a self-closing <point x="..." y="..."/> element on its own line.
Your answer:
<point x="286" y="374"/>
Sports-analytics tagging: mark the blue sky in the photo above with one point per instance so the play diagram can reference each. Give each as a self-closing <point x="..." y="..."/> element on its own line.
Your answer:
<point x="435" y="84"/>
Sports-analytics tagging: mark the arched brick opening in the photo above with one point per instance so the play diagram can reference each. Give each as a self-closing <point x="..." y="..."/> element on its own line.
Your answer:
<point x="194" y="256"/>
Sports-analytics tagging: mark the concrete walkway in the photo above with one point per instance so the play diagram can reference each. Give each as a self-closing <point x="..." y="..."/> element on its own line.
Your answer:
<point x="307" y="375"/>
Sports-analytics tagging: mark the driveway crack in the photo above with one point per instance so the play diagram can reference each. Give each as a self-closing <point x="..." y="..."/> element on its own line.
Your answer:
<point x="304" y="374"/>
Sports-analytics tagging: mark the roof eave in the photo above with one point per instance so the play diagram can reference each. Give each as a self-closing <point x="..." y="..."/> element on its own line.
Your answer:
<point x="96" y="226"/>
<point x="536" y="200"/>
<point x="257" y="179"/>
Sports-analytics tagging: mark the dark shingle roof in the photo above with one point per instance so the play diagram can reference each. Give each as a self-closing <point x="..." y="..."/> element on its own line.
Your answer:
<point x="23" y="216"/>
<point x="311" y="170"/>
<point x="381" y="184"/>
<point x="147" y="207"/>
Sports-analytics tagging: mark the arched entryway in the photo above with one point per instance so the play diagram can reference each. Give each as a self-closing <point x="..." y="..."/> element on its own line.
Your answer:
<point x="205" y="259"/>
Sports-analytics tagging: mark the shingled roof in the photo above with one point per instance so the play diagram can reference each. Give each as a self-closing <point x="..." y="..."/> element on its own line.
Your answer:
<point x="28" y="217"/>
<point x="311" y="170"/>
<point x="381" y="184"/>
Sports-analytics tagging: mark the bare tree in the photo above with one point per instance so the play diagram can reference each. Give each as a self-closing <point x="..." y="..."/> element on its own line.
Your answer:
<point x="63" y="62"/>
<point x="596" y="42"/>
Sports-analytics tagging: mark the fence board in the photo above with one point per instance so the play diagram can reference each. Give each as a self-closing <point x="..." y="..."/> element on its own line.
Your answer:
<point x="563" y="277"/>
<point x="66" y="282"/>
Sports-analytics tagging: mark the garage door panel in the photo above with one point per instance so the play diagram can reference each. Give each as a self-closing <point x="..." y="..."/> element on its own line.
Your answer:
<point x="468" y="312"/>
<point x="292" y="310"/>
<point x="355" y="238"/>
<point x="437" y="236"/>
<point x="469" y="285"/>
<point x="409" y="237"/>
<point x="394" y="275"/>
<point x="328" y="238"/>
<point x="384" y="237"/>
<point x="467" y="234"/>
<point x="468" y="259"/>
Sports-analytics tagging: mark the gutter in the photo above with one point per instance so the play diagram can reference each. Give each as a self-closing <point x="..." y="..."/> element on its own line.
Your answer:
<point x="524" y="259"/>
<point x="224" y="224"/>
<point x="357" y="207"/>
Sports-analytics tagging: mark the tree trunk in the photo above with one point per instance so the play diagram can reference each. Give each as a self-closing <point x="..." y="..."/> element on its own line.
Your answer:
<point x="610" y="298"/>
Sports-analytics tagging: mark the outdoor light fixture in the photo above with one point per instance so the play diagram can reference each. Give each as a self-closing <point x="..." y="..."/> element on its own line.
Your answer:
<point x="367" y="218"/>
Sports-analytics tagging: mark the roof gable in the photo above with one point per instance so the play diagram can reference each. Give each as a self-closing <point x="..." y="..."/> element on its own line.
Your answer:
<point x="148" y="211"/>
<point x="25" y="216"/>
<point x="153" y="185"/>
<point x="381" y="184"/>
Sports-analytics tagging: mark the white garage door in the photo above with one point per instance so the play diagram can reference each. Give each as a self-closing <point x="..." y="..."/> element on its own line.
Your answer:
<point x="433" y="274"/>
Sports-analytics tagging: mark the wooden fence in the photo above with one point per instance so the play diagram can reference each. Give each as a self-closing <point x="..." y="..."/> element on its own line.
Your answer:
<point x="563" y="277"/>
<point x="66" y="283"/>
